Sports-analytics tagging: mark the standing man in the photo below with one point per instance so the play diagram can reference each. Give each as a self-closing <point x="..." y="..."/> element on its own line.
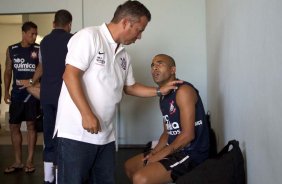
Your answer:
<point x="53" y="50"/>
<point x="184" y="143"/>
<point x="21" y="61"/>
<point x="98" y="70"/>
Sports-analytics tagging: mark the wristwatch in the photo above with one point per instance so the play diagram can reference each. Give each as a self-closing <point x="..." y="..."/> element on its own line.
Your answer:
<point x="159" y="93"/>
<point x="30" y="81"/>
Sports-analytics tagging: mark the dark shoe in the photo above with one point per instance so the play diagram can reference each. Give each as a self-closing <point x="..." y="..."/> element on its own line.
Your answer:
<point x="47" y="182"/>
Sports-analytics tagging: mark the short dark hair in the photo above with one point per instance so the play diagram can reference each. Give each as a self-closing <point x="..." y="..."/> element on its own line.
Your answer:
<point x="170" y="59"/>
<point x="132" y="9"/>
<point x="28" y="25"/>
<point x="62" y="18"/>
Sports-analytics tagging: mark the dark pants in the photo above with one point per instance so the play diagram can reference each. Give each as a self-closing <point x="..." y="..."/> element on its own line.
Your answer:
<point x="81" y="163"/>
<point x="50" y="143"/>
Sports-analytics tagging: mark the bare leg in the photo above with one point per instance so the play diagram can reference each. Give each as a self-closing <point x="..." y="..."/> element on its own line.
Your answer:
<point x="140" y="174"/>
<point x="148" y="174"/>
<point x="16" y="137"/>
<point x="31" y="141"/>
<point x="133" y="164"/>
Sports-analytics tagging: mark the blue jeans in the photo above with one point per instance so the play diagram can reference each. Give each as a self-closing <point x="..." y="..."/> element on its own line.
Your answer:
<point x="84" y="163"/>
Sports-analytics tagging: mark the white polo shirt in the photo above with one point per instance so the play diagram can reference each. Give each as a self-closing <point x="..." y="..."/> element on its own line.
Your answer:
<point x="92" y="50"/>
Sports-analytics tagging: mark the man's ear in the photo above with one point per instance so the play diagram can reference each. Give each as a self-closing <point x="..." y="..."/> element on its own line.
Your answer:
<point x="173" y="70"/>
<point x="124" y="22"/>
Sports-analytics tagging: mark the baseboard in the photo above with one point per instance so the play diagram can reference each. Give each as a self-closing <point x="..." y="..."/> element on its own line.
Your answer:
<point x="130" y="146"/>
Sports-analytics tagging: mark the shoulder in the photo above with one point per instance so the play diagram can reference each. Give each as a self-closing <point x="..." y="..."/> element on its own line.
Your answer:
<point x="85" y="35"/>
<point x="14" y="46"/>
<point x="186" y="91"/>
<point x="36" y="46"/>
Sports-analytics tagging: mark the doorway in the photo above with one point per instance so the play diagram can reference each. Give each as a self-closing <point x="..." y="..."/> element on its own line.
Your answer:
<point x="10" y="31"/>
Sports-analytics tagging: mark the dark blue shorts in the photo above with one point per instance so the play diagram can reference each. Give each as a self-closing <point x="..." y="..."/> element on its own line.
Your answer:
<point x="80" y="162"/>
<point x="179" y="163"/>
<point x="23" y="111"/>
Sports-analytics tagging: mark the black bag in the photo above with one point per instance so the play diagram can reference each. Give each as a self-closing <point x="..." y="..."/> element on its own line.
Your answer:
<point x="226" y="168"/>
<point x="212" y="138"/>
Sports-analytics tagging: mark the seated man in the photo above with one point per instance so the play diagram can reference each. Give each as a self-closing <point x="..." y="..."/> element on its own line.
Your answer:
<point x="184" y="143"/>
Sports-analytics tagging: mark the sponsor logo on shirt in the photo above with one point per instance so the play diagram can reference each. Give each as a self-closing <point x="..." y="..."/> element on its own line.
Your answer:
<point x="20" y="65"/>
<point x="100" y="58"/>
<point x="123" y="63"/>
<point x="198" y="123"/>
<point x="173" y="128"/>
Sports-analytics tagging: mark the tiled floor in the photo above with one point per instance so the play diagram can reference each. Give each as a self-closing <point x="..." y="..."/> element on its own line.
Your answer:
<point x="6" y="158"/>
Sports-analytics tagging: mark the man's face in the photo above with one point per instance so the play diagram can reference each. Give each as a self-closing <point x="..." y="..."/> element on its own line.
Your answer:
<point x="133" y="30"/>
<point x="30" y="36"/>
<point x="162" y="70"/>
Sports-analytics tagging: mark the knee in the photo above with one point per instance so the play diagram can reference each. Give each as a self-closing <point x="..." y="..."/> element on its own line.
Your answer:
<point x="30" y="127"/>
<point x="127" y="170"/>
<point x="15" y="128"/>
<point x="139" y="178"/>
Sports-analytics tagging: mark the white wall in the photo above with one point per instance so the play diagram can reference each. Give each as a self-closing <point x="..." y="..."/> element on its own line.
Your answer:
<point x="42" y="6"/>
<point x="244" y="81"/>
<point x="10" y="28"/>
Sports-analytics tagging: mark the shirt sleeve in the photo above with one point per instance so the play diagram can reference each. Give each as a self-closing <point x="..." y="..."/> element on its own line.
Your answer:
<point x="81" y="50"/>
<point x="130" y="80"/>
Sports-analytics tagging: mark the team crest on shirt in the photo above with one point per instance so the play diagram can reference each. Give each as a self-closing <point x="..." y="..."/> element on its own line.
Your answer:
<point x="172" y="108"/>
<point x="123" y="63"/>
<point x="33" y="55"/>
<point x="100" y="58"/>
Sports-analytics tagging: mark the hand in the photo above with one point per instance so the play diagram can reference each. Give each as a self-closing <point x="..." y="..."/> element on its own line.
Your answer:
<point x="151" y="158"/>
<point x="170" y="86"/>
<point x="24" y="83"/>
<point x="91" y="124"/>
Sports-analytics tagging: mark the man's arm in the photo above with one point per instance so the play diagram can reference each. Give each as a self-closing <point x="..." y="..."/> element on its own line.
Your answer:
<point x="72" y="78"/>
<point x="34" y="88"/>
<point x="145" y="91"/>
<point x="37" y="74"/>
<point x="8" y="77"/>
<point x="162" y="141"/>
<point x="186" y="99"/>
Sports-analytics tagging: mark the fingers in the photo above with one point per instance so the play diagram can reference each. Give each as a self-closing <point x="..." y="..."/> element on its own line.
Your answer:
<point x="92" y="131"/>
<point x="23" y="83"/>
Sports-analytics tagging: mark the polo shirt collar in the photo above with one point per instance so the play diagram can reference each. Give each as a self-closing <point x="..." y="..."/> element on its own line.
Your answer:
<point x="108" y="35"/>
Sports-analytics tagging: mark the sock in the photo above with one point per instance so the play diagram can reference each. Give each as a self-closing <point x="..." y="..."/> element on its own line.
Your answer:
<point x="56" y="173"/>
<point x="49" y="174"/>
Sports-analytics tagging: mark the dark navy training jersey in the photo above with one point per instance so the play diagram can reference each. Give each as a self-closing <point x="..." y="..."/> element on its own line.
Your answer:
<point x="198" y="148"/>
<point x="24" y="63"/>
<point x="53" y="49"/>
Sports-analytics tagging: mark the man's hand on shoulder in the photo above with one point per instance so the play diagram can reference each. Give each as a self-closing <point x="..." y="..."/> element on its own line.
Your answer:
<point x="172" y="85"/>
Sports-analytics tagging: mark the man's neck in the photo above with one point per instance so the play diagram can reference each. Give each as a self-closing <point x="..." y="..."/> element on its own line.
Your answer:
<point x="25" y="44"/>
<point x="167" y="81"/>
